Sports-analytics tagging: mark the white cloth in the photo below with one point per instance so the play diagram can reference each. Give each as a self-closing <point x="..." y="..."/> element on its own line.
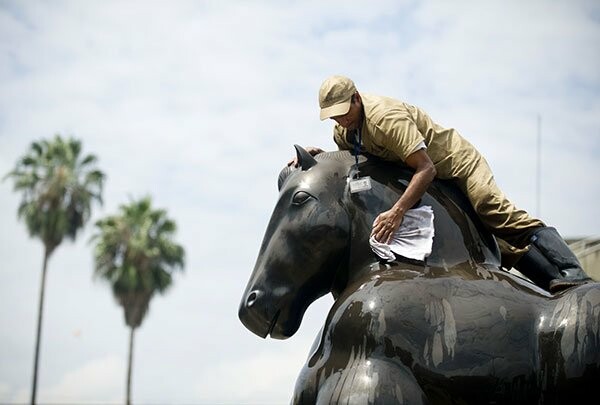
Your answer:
<point x="413" y="239"/>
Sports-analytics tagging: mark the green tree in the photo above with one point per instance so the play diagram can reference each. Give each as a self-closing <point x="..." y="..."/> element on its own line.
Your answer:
<point x="58" y="186"/>
<point x="136" y="254"/>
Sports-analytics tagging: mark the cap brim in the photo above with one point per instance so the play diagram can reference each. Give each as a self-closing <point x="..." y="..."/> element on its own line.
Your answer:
<point x="335" y="110"/>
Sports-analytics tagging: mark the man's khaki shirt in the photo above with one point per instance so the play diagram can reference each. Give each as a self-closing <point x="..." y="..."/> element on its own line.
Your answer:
<point x="392" y="130"/>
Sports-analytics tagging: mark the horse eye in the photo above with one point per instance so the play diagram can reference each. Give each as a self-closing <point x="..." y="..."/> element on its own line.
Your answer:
<point x="301" y="197"/>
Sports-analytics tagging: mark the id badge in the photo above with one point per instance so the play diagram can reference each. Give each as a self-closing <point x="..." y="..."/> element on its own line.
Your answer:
<point x="360" y="184"/>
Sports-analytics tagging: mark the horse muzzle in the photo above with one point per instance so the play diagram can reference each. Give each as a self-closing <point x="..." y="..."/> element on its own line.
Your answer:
<point x="262" y="316"/>
<point x="254" y="318"/>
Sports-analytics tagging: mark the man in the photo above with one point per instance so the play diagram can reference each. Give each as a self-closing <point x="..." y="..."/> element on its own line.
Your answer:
<point x="396" y="131"/>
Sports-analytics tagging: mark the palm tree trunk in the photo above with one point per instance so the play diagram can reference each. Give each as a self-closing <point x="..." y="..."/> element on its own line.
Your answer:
<point x="130" y="365"/>
<point x="39" y="326"/>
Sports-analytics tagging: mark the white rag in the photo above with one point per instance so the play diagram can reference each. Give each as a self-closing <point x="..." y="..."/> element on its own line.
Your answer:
<point x="413" y="239"/>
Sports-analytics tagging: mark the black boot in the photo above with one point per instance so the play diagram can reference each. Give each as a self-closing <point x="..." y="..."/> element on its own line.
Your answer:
<point x="550" y="263"/>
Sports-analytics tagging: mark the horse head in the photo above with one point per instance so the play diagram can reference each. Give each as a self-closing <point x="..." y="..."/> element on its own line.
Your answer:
<point x="294" y="267"/>
<point x="317" y="239"/>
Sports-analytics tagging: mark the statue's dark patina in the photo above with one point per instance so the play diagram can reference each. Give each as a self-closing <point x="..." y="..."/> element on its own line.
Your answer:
<point x="456" y="329"/>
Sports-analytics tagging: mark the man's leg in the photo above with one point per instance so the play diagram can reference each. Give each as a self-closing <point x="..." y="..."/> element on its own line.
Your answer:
<point x="549" y="262"/>
<point x="509" y="255"/>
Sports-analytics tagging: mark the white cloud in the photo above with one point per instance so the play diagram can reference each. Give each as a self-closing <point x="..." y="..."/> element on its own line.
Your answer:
<point x="5" y="391"/>
<point x="101" y="380"/>
<point x="266" y="378"/>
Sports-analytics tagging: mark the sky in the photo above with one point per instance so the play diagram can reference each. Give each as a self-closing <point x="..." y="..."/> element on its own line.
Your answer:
<point x="198" y="104"/>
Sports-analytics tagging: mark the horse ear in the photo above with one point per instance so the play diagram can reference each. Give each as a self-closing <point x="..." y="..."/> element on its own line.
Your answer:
<point x="305" y="159"/>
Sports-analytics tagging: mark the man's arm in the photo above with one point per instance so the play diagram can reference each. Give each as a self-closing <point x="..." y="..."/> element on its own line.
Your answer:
<point x="389" y="221"/>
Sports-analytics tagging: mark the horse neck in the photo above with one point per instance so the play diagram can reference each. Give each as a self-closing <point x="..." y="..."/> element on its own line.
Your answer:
<point x="361" y="261"/>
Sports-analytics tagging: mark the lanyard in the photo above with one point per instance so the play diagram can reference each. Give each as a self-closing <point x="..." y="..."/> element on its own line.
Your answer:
<point x="357" y="141"/>
<point x="358" y="184"/>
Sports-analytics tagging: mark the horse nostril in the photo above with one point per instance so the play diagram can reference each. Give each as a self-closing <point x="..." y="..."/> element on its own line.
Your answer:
<point x="251" y="298"/>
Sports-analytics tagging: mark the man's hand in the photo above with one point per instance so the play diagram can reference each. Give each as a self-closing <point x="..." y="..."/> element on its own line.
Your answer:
<point x="310" y="149"/>
<point x="386" y="224"/>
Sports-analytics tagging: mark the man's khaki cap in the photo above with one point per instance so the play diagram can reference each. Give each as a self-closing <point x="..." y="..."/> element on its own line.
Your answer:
<point x="335" y="96"/>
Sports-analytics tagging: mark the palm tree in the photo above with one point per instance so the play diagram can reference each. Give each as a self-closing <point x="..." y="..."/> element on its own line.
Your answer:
<point x="136" y="254"/>
<point x="58" y="188"/>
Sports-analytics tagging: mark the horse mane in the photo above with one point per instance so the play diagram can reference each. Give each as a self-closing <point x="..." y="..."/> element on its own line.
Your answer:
<point x="344" y="156"/>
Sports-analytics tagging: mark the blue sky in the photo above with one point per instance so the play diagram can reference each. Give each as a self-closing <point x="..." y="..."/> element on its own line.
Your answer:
<point x="198" y="104"/>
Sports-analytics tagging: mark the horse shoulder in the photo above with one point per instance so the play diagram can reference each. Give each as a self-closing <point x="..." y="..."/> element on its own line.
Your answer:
<point x="371" y="381"/>
<point x="359" y="376"/>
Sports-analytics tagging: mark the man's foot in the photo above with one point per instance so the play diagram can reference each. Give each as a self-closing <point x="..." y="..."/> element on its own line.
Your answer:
<point x="570" y="278"/>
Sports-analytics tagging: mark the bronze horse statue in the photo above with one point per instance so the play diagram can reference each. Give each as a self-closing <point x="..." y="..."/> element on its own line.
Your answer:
<point x="454" y="329"/>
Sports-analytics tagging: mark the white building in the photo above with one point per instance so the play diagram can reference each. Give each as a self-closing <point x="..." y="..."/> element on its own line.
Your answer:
<point x="587" y="251"/>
